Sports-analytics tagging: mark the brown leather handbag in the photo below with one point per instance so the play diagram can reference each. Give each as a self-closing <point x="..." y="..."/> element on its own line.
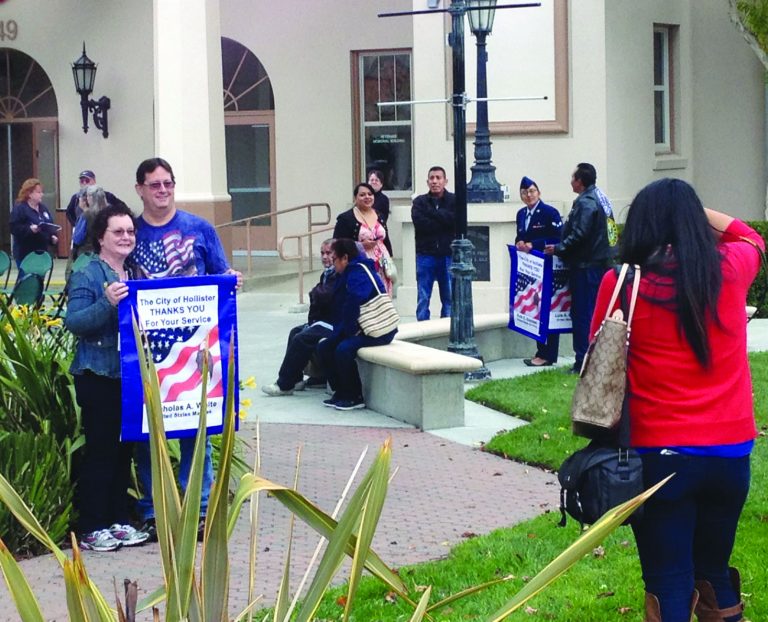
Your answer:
<point x="599" y="394"/>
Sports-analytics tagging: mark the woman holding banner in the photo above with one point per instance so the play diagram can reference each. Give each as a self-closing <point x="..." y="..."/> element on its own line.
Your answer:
<point x="94" y="292"/>
<point x="537" y="224"/>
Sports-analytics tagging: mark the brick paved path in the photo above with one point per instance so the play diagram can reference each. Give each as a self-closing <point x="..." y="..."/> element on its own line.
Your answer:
<point x="441" y="491"/>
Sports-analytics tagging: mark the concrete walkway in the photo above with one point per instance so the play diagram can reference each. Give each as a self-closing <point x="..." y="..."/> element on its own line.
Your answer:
<point x="444" y="488"/>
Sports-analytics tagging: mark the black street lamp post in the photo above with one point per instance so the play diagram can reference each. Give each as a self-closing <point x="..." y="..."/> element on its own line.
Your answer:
<point x="483" y="187"/>
<point x="462" y="337"/>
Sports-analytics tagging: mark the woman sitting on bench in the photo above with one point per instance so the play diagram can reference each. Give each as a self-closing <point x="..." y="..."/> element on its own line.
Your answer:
<point x="338" y="352"/>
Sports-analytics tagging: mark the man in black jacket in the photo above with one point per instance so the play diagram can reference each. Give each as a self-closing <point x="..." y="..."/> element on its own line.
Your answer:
<point x="585" y="250"/>
<point x="325" y="303"/>
<point x="433" y="223"/>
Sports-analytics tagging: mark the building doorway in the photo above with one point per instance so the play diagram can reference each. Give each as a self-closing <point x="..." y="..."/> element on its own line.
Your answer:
<point x="29" y="143"/>
<point x="249" y="119"/>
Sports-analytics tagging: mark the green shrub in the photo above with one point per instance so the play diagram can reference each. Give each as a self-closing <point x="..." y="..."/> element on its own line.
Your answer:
<point x="34" y="463"/>
<point x="756" y="295"/>
<point x="39" y="421"/>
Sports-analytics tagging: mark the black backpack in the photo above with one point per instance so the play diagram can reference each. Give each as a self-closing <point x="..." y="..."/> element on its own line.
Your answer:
<point x="597" y="478"/>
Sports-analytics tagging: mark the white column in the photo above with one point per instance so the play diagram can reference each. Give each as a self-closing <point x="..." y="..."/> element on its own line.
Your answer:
<point x="189" y="114"/>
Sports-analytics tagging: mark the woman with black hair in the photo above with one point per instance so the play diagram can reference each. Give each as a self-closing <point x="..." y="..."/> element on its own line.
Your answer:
<point x="337" y="353"/>
<point x="690" y="395"/>
<point x="363" y="224"/>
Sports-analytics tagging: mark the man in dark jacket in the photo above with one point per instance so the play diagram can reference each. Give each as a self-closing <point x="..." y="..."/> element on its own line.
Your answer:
<point x="86" y="178"/>
<point x="325" y="305"/>
<point x="433" y="223"/>
<point x="585" y="250"/>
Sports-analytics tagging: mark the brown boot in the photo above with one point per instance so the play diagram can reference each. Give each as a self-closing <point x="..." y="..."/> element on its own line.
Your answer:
<point x="708" y="610"/>
<point x="653" y="610"/>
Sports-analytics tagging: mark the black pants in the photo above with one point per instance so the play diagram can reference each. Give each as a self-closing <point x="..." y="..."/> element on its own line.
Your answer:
<point x="301" y="345"/>
<point x="102" y="487"/>
<point x="549" y="349"/>
<point x="338" y="356"/>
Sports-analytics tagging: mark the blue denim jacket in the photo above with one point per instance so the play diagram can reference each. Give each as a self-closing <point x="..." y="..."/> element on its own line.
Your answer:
<point x="93" y="320"/>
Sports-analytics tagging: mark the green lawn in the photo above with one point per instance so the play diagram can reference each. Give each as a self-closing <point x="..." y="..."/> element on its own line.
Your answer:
<point x="602" y="587"/>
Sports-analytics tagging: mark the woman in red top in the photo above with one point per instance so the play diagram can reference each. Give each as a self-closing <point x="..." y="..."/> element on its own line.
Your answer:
<point x="690" y="395"/>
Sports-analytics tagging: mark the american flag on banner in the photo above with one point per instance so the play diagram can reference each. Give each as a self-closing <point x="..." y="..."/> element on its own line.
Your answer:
<point x="171" y="255"/>
<point x="528" y="296"/>
<point x="561" y="295"/>
<point x="178" y="357"/>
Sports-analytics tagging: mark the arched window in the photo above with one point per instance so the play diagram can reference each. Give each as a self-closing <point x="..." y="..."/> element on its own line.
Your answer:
<point x="246" y="84"/>
<point x="25" y="90"/>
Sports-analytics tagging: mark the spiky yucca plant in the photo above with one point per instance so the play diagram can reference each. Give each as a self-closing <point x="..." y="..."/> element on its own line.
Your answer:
<point x="202" y="595"/>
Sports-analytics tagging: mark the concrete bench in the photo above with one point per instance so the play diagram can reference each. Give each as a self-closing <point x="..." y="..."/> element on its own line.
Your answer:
<point x="415" y="384"/>
<point x="495" y="341"/>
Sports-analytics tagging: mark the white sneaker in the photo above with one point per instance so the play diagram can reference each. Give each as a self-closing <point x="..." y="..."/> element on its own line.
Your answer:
<point x="100" y="540"/>
<point x="300" y="385"/>
<point x="127" y="535"/>
<point x="273" y="390"/>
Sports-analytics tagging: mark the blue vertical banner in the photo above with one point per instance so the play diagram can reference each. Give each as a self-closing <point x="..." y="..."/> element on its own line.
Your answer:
<point x="539" y="298"/>
<point x="559" y="297"/>
<point x="179" y="318"/>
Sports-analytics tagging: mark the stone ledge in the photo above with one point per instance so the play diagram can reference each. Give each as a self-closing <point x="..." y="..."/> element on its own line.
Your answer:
<point x="416" y="331"/>
<point x="416" y="359"/>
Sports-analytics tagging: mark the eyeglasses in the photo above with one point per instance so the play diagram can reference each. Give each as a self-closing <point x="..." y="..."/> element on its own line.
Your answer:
<point x="159" y="185"/>
<point x="529" y="191"/>
<point x="121" y="232"/>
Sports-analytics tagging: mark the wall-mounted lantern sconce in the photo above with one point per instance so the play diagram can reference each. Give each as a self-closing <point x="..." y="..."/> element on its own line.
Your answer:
<point x="84" y="71"/>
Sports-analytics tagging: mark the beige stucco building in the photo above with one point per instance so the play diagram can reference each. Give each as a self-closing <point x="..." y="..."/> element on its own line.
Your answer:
<point x="641" y="89"/>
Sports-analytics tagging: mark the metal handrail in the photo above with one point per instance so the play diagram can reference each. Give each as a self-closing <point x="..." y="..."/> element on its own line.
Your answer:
<point x="310" y="223"/>
<point x="299" y="237"/>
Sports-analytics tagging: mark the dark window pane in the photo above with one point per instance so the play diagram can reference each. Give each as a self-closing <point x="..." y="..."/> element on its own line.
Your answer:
<point x="387" y="87"/>
<point x="660" y="130"/>
<point x="245" y="204"/>
<point x="389" y="149"/>
<point x="370" y="77"/>
<point x="403" y="85"/>
<point x="658" y="58"/>
<point x="248" y="171"/>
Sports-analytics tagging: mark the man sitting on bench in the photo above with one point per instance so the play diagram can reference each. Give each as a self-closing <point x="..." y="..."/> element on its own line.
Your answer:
<point x="324" y="305"/>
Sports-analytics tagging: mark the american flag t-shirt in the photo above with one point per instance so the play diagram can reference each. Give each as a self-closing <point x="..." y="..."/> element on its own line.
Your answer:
<point x="172" y="254"/>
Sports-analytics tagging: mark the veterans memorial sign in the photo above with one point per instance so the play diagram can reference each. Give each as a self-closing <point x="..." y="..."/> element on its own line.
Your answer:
<point x="179" y="318"/>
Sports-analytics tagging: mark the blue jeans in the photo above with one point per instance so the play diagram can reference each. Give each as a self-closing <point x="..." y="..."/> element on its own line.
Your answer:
<point x="689" y="526"/>
<point x="431" y="268"/>
<point x="584" y="283"/>
<point x="337" y="357"/>
<point x="144" y="472"/>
